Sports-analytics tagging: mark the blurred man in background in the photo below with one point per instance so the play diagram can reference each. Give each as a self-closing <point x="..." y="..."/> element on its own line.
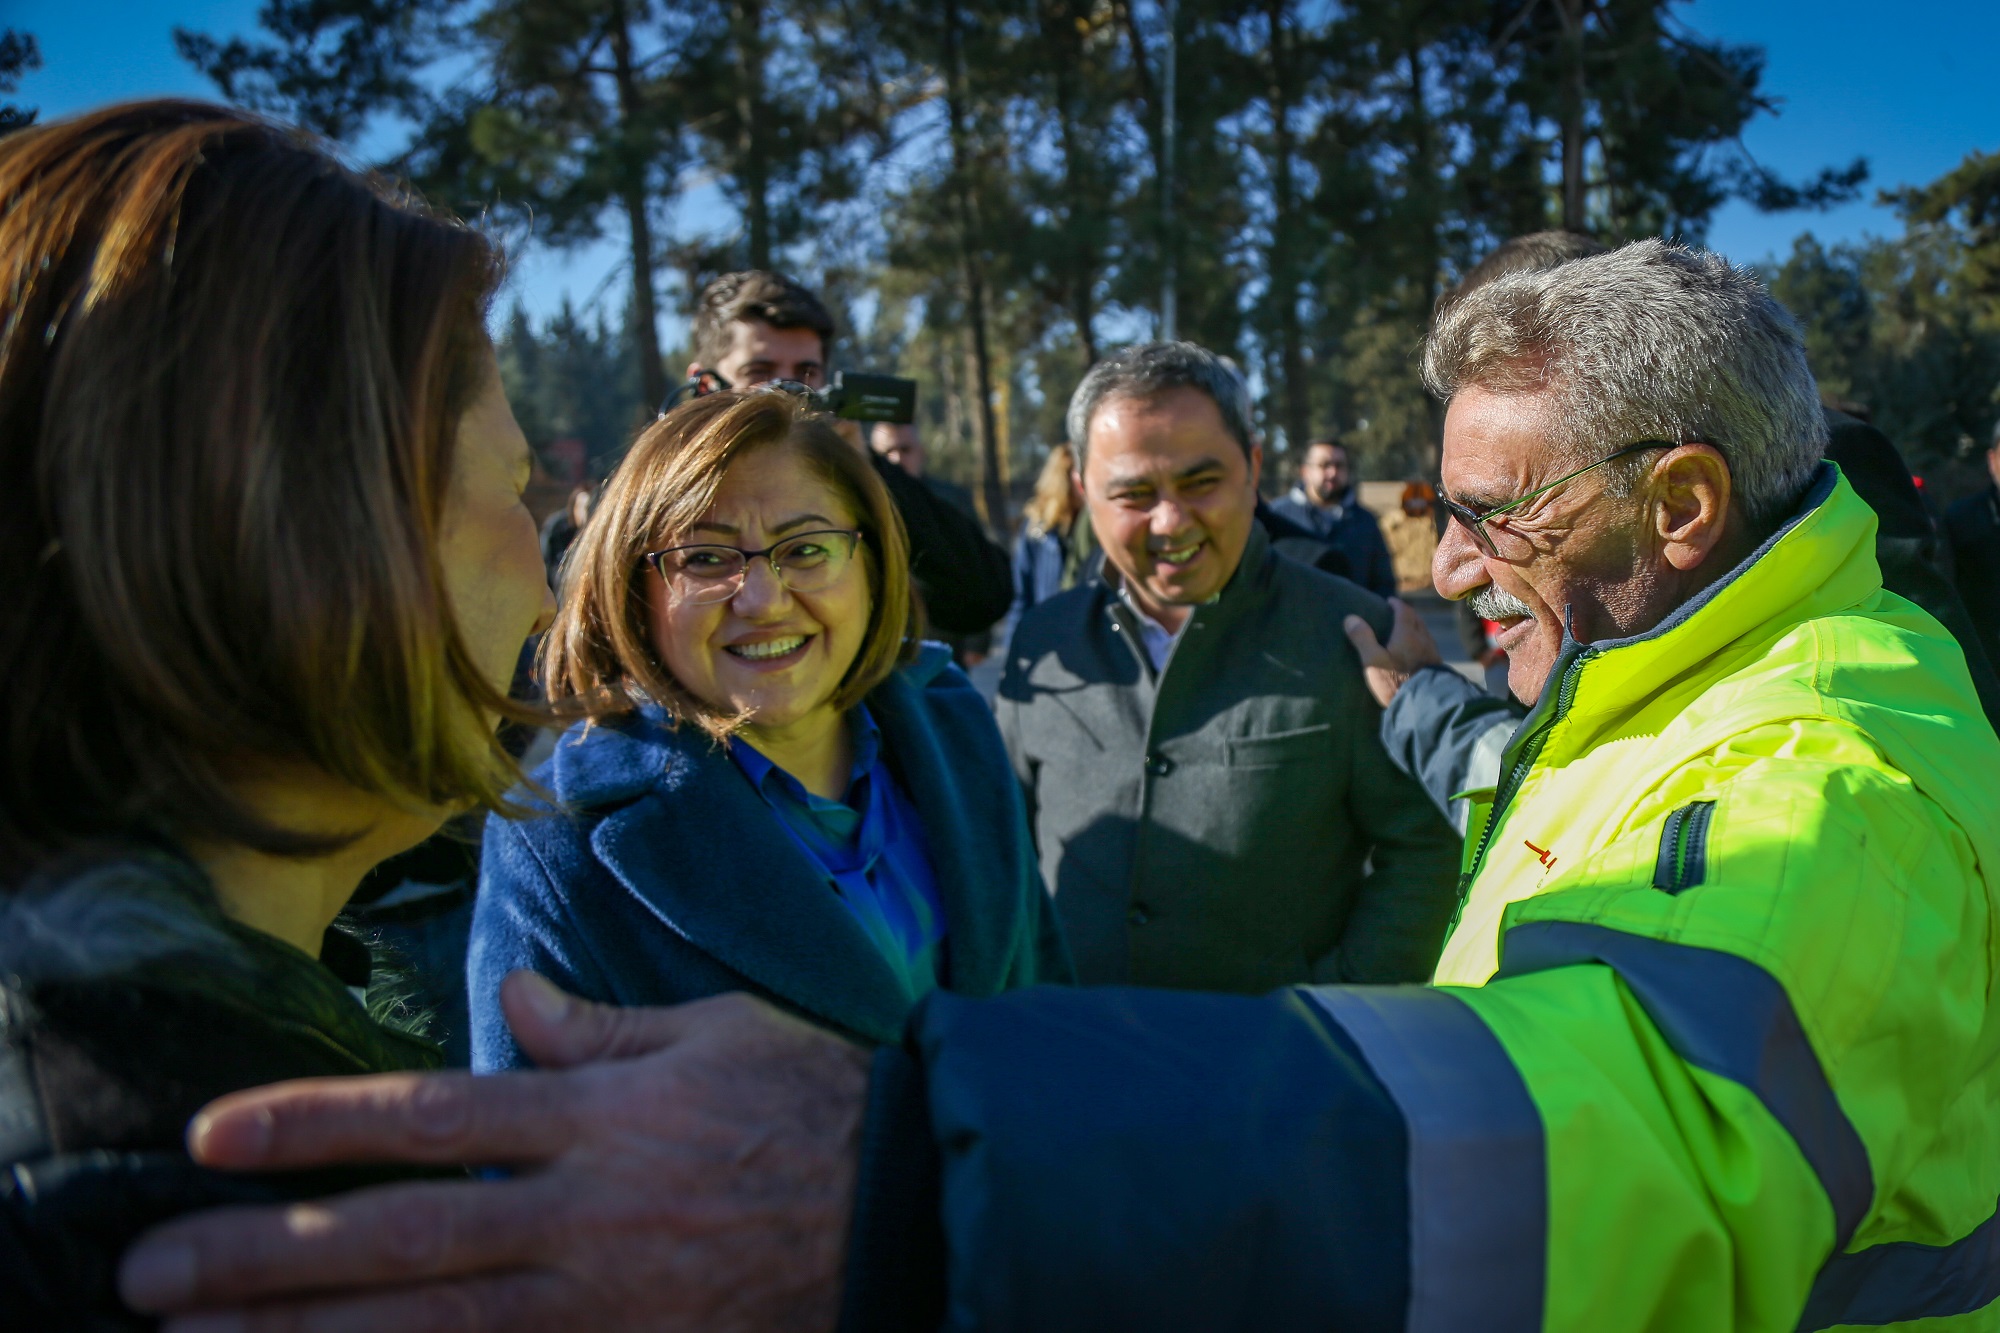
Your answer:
<point x="1325" y="503"/>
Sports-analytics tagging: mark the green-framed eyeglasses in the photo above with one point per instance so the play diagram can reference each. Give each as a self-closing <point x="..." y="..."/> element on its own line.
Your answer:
<point x="1474" y="523"/>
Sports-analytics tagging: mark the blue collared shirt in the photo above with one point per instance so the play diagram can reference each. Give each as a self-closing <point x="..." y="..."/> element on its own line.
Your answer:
<point x="870" y="848"/>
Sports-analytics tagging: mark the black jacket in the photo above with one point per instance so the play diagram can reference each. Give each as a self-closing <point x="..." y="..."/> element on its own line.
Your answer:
<point x="127" y="1001"/>
<point x="1232" y="822"/>
<point x="1974" y="526"/>
<point x="965" y="581"/>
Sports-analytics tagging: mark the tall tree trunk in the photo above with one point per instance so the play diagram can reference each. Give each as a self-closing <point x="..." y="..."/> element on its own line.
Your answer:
<point x="753" y="171"/>
<point x="1284" y="251"/>
<point x="1429" y="250"/>
<point x="632" y="196"/>
<point x="1066" y="51"/>
<point x="1573" y="199"/>
<point x="991" y="495"/>
<point x="1153" y="118"/>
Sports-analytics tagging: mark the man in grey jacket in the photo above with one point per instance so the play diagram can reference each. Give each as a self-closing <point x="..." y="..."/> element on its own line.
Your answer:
<point x="1211" y="802"/>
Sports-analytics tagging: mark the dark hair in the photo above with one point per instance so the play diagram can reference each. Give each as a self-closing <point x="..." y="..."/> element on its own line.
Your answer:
<point x="598" y="658"/>
<point x="1146" y="369"/>
<point x="231" y="374"/>
<point x="1532" y="253"/>
<point x="759" y="294"/>
<point x="1330" y="443"/>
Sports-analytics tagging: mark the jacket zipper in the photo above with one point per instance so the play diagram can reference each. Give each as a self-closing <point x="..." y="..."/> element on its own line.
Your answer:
<point x="1517" y="772"/>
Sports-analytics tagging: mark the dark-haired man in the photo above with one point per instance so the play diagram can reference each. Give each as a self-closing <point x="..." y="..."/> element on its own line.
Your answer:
<point x="1211" y="802"/>
<point x="756" y="326"/>
<point x="1324" y="503"/>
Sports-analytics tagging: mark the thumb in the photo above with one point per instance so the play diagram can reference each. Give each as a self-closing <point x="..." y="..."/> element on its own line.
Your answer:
<point x="1365" y="643"/>
<point x="558" y="1031"/>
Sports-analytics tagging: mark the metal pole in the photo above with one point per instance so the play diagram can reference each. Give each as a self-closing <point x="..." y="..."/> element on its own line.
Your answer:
<point x="1169" y="281"/>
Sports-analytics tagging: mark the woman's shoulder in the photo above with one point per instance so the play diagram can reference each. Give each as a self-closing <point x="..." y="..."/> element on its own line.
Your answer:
<point x="600" y="762"/>
<point x="130" y="1000"/>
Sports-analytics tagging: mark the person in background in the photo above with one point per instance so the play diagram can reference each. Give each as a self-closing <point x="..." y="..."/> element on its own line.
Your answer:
<point x="901" y="444"/>
<point x="773" y="787"/>
<point x="261" y="519"/>
<point x="1325" y="503"/>
<point x="755" y="326"/>
<point x="560" y="529"/>
<point x="1211" y="803"/>
<point x="1055" y="550"/>
<point x="1973" y="526"/>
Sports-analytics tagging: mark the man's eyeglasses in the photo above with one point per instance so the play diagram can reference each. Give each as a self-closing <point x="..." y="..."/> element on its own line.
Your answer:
<point x="1474" y="521"/>
<point x="809" y="562"/>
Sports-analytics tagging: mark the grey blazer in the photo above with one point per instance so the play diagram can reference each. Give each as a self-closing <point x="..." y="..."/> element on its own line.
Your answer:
<point x="1233" y="822"/>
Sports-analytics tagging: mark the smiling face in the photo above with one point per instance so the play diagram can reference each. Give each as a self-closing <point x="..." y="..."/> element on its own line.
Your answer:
<point x="774" y="655"/>
<point x="1171" y="497"/>
<point x="1615" y="564"/>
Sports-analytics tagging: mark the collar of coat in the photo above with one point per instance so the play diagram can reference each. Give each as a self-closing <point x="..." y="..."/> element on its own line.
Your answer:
<point x="775" y="925"/>
<point x="1881" y="664"/>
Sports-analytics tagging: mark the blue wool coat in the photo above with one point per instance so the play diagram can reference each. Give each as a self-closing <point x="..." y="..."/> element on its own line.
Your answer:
<point x="665" y="877"/>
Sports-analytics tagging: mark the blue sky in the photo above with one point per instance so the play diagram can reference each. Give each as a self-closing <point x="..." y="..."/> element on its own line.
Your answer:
<point x="1910" y="87"/>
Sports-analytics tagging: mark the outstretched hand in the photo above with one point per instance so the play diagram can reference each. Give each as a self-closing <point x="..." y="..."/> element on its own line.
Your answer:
<point x="685" y="1168"/>
<point x="1387" y="666"/>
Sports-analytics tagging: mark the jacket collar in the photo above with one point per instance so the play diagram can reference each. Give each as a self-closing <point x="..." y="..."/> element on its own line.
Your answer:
<point x="711" y="870"/>
<point x="1820" y="560"/>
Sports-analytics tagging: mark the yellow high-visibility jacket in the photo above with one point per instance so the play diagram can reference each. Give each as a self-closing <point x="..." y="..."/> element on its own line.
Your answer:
<point x="1731" y="918"/>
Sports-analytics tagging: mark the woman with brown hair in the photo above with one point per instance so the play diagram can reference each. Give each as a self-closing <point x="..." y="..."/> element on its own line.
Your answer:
<point x="267" y="574"/>
<point x="1056" y="549"/>
<point x="774" y="786"/>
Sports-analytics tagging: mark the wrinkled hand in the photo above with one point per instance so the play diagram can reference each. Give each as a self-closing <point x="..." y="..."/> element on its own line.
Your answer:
<point x="1387" y="666"/>
<point x="685" y="1168"/>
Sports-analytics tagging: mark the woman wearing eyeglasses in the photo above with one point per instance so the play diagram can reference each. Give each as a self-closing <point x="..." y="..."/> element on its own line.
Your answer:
<point x="773" y="786"/>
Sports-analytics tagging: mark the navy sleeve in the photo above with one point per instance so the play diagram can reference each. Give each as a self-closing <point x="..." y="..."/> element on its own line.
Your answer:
<point x="1448" y="734"/>
<point x="1122" y="1158"/>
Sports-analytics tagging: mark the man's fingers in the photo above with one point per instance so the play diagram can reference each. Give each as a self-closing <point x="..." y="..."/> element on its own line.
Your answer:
<point x="387" y="1236"/>
<point x="1410" y="641"/>
<point x="427" y="1118"/>
<point x="1365" y="643"/>
<point x="510" y="1303"/>
<point x="558" y="1031"/>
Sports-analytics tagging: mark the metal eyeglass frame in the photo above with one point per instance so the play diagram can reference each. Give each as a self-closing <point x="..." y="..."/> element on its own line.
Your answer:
<point x="734" y="585"/>
<point x="1474" y="523"/>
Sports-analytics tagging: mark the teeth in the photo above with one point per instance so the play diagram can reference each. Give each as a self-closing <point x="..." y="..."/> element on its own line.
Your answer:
<point x="768" y="648"/>
<point x="1181" y="556"/>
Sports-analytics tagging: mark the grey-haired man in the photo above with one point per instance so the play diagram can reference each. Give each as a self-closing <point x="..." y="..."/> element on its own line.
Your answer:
<point x="1213" y="807"/>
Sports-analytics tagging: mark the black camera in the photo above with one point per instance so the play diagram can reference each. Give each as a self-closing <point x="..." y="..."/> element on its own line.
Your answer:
<point x="861" y="397"/>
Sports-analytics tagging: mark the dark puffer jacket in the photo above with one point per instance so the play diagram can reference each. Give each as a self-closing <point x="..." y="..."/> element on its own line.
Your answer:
<point x="127" y="1001"/>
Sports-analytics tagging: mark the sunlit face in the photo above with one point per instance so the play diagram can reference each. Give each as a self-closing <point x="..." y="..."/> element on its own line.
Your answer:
<point x="773" y="654"/>
<point x="491" y="558"/>
<point x="1573" y="549"/>
<point x="1172" y="497"/>
<point x="759" y="354"/>
<point x="1324" y="473"/>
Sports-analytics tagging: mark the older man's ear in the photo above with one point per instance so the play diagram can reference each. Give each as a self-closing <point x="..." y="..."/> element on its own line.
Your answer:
<point x="1691" y="507"/>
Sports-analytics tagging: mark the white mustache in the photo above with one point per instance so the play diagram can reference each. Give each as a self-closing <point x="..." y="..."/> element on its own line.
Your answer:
<point x="1490" y="603"/>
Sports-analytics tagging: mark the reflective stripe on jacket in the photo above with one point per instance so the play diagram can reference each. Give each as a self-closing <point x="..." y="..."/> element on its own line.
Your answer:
<point x="1731" y="927"/>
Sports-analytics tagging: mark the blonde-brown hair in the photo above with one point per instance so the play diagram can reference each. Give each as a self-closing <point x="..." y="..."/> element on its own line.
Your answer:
<point x="231" y="375"/>
<point x="598" y="659"/>
<point x="1053" y="506"/>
